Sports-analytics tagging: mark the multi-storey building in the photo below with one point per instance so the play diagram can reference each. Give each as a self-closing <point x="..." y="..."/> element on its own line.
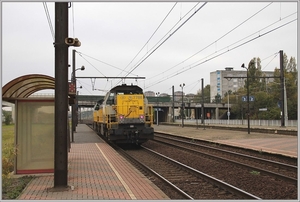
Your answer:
<point x="220" y="85"/>
<point x="149" y="94"/>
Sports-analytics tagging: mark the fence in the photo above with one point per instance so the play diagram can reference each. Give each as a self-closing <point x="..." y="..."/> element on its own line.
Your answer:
<point x="290" y="123"/>
<point x="88" y="115"/>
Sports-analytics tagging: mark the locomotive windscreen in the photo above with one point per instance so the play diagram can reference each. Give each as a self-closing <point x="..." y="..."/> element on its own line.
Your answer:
<point x="127" y="90"/>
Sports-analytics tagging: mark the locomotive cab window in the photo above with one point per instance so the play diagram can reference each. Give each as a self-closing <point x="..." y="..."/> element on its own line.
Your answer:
<point x="111" y="99"/>
<point x="96" y="107"/>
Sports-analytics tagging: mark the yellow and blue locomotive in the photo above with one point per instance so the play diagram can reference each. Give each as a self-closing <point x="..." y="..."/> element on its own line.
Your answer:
<point x="124" y="115"/>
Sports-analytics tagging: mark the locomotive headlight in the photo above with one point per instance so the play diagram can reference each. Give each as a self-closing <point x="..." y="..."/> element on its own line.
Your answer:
<point x="142" y="118"/>
<point x="121" y="118"/>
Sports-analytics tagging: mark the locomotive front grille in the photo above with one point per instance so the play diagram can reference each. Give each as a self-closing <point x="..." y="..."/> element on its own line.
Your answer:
<point x="131" y="120"/>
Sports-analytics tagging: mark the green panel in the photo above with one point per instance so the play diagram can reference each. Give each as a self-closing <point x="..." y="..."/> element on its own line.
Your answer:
<point x="159" y="99"/>
<point x="92" y="98"/>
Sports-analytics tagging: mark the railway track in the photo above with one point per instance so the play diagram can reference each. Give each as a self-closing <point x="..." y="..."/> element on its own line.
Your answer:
<point x="258" y="182"/>
<point x="249" y="178"/>
<point x="170" y="189"/>
<point x="276" y="169"/>
<point x="188" y="182"/>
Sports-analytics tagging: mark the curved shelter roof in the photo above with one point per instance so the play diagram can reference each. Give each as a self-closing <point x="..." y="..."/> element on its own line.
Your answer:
<point x="24" y="86"/>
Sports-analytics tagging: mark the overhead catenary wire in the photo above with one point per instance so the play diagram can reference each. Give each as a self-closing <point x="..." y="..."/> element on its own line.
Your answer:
<point x="200" y="63"/>
<point x="172" y="28"/>
<point x="160" y="41"/>
<point x="166" y="38"/>
<point x="215" y="41"/>
<point x="80" y="53"/>
<point x="186" y="86"/>
<point x="90" y="63"/>
<point x="216" y="52"/>
<point x="226" y="51"/>
<point x="149" y="39"/>
<point x="151" y="36"/>
<point x="93" y="82"/>
<point x="73" y="23"/>
<point x="196" y="83"/>
<point x="92" y="86"/>
<point x="167" y="32"/>
<point x="49" y="20"/>
<point x="226" y="48"/>
<point x="84" y="87"/>
<point x="274" y="56"/>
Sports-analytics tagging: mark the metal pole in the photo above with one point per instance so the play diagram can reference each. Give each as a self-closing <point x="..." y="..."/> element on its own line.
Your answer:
<point x="157" y="108"/>
<point x="75" y="86"/>
<point x="228" y="113"/>
<point x="202" y="105"/>
<point x="248" y="100"/>
<point x="242" y="114"/>
<point x="157" y="116"/>
<point x="73" y="105"/>
<point x="173" y="117"/>
<point x="182" y="108"/>
<point x="196" y="117"/>
<point x="285" y="104"/>
<point x="61" y="97"/>
<point x="282" y="88"/>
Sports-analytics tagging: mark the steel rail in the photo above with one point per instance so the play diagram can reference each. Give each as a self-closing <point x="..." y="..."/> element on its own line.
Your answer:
<point x="209" y="178"/>
<point x="279" y="176"/>
<point x="178" y="190"/>
<point x="279" y="164"/>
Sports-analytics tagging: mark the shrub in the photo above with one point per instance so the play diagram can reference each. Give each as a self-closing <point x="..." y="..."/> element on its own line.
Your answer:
<point x="9" y="152"/>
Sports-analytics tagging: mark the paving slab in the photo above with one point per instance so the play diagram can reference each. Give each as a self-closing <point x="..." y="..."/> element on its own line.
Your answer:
<point x="95" y="171"/>
<point x="266" y="142"/>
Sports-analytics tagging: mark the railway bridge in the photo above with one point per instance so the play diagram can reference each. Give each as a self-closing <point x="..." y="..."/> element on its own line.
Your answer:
<point x="163" y="105"/>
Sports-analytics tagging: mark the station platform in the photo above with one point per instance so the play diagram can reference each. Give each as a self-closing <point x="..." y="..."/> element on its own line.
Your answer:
<point x="95" y="171"/>
<point x="286" y="145"/>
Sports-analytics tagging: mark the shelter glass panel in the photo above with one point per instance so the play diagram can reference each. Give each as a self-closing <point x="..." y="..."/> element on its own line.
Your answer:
<point x="35" y="136"/>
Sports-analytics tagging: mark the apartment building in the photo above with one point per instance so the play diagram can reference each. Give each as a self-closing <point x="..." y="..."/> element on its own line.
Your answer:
<point x="220" y="85"/>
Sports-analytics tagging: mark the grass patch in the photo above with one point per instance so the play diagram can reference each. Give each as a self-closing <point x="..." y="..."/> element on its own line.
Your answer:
<point x="8" y="133"/>
<point x="253" y="172"/>
<point x="8" y="149"/>
<point x="11" y="187"/>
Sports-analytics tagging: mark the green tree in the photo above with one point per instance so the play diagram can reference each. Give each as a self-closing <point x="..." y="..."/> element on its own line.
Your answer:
<point x="267" y="95"/>
<point x="256" y="83"/>
<point x="7" y="117"/>
<point x="206" y="93"/>
<point x="217" y="99"/>
<point x="291" y="82"/>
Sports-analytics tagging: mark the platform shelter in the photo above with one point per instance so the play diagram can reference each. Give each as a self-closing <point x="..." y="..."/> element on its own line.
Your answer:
<point x="34" y="123"/>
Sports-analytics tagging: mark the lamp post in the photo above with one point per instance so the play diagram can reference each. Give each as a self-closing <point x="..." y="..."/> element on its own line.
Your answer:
<point x="228" y="112"/>
<point x="73" y="79"/>
<point x="243" y="66"/>
<point x="76" y="107"/>
<point x="73" y="73"/>
<point x="182" y="108"/>
<point x="202" y="105"/>
<point x="157" y="94"/>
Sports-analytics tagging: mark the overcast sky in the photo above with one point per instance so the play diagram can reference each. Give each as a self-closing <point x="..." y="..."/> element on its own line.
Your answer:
<point x="119" y="36"/>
